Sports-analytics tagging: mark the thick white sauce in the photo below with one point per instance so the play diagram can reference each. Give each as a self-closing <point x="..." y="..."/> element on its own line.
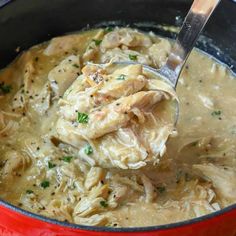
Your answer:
<point x="196" y="175"/>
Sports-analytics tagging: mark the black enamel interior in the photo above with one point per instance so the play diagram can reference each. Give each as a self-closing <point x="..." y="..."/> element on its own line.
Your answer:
<point x="24" y="23"/>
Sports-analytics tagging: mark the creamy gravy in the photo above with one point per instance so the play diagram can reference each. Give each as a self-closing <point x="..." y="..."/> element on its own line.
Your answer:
<point x="39" y="173"/>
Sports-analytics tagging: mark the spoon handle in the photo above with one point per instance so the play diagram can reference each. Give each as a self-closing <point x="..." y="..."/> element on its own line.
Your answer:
<point x="194" y="22"/>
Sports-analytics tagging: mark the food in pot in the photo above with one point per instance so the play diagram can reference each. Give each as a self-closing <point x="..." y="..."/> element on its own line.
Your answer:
<point x="98" y="146"/>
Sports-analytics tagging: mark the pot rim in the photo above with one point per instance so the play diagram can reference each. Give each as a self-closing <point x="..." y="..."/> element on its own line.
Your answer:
<point x="120" y="229"/>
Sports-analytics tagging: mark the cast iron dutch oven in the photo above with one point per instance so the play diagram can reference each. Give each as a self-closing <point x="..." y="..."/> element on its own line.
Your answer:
<point x="24" y="23"/>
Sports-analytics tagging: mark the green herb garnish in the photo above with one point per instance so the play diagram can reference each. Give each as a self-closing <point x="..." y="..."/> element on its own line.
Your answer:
<point x="97" y="42"/>
<point x="133" y="57"/>
<point x="67" y="158"/>
<point x="88" y="150"/>
<point x="108" y="29"/>
<point x="161" y="189"/>
<point x="29" y="191"/>
<point x="121" y="77"/>
<point x="104" y="204"/>
<point x="5" y="88"/>
<point x="51" y="165"/>
<point x="216" y="113"/>
<point x="45" y="184"/>
<point x="76" y="65"/>
<point x="82" y="118"/>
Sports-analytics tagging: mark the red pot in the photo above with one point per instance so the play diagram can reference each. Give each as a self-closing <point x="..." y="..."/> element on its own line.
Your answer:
<point x="27" y="22"/>
<point x="17" y="222"/>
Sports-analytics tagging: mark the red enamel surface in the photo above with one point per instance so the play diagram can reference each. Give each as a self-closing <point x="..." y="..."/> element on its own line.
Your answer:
<point x="15" y="224"/>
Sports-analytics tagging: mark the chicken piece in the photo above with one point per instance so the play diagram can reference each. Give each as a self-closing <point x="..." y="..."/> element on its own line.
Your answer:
<point x="223" y="179"/>
<point x="19" y="102"/>
<point x="93" y="74"/>
<point x="81" y="98"/>
<point x="92" y="50"/>
<point x="150" y="193"/>
<point x="120" y="149"/>
<point x="119" y="194"/>
<point x="90" y="54"/>
<point x="69" y="171"/>
<point x="159" y="52"/>
<point x="112" y="101"/>
<point x="118" y="55"/>
<point x="91" y="204"/>
<point x="131" y="183"/>
<point x="60" y="45"/>
<point x="154" y="84"/>
<point x="7" y="125"/>
<point x="78" y="97"/>
<point x="41" y="103"/>
<point x="103" y="121"/>
<point x="29" y="75"/>
<point x="26" y="75"/>
<point x="57" y="209"/>
<point x="31" y="202"/>
<point x="88" y="207"/>
<point x="14" y="162"/>
<point x="129" y="77"/>
<point x="82" y="102"/>
<point x="94" y="175"/>
<point x="77" y="86"/>
<point x="94" y="220"/>
<point x="153" y="134"/>
<point x="126" y="37"/>
<point x="67" y="133"/>
<point x="100" y="190"/>
<point x="63" y="75"/>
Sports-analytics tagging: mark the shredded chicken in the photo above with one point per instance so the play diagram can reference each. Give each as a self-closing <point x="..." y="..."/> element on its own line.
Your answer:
<point x="110" y="108"/>
<point x="89" y="141"/>
<point x="62" y="76"/>
<point x="223" y="179"/>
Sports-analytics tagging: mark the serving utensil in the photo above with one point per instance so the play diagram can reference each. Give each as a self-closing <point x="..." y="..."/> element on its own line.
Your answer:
<point x="194" y="23"/>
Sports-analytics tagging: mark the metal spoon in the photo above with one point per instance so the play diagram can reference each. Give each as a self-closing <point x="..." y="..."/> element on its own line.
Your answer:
<point x="194" y="23"/>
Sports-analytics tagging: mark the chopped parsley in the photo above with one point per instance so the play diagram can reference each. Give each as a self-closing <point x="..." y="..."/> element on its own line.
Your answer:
<point x="104" y="204"/>
<point x="76" y="65"/>
<point x="108" y="29"/>
<point x="29" y="191"/>
<point x="216" y="113"/>
<point x="51" y="165"/>
<point x="82" y="118"/>
<point x="121" y="77"/>
<point x="4" y="88"/>
<point x="88" y="150"/>
<point x="97" y="41"/>
<point x="67" y="158"/>
<point x="45" y="184"/>
<point x="161" y="189"/>
<point x="133" y="57"/>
